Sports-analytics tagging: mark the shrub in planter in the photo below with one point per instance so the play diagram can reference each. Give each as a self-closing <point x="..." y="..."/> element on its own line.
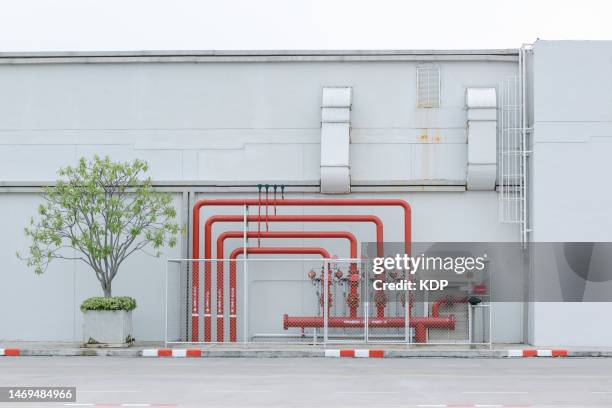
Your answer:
<point x="107" y="321"/>
<point x="101" y="212"/>
<point x="124" y="303"/>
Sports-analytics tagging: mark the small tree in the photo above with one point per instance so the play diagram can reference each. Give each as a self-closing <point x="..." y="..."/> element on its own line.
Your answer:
<point x="100" y="212"/>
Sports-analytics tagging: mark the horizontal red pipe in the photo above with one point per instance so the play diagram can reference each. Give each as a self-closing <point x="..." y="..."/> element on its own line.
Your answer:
<point x="264" y="234"/>
<point x="252" y="202"/>
<point x="335" y="202"/>
<point x="420" y="324"/>
<point x="357" y="322"/>
<point x="280" y="250"/>
<point x="297" y="218"/>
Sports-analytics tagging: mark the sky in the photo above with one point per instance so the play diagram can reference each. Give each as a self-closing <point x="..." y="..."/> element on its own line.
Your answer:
<point x="98" y="25"/>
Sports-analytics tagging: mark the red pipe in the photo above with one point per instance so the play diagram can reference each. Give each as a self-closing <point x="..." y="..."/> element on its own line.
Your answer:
<point x="241" y="202"/>
<point x="450" y="300"/>
<point x="278" y="218"/>
<point x="254" y="234"/>
<point x="271" y="250"/>
<point x="300" y="218"/>
<point x="421" y="324"/>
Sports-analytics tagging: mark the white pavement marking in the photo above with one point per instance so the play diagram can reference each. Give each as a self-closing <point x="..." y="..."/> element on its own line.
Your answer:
<point x="544" y="353"/>
<point x="366" y="392"/>
<point x="237" y="391"/>
<point x="76" y="404"/>
<point x="136" y="405"/>
<point x="494" y="392"/>
<point x="432" y="406"/>
<point x="487" y="405"/>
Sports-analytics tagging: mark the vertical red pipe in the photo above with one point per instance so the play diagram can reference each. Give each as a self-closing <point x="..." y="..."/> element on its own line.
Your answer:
<point x="195" y="276"/>
<point x="285" y="202"/>
<point x="255" y="234"/>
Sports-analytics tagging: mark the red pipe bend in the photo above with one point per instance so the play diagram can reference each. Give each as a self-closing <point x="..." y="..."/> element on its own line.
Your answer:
<point x="280" y="251"/>
<point x="299" y="202"/>
<point x="263" y="234"/>
<point x="447" y="300"/>
<point x="293" y="218"/>
<point x="252" y="202"/>
<point x="268" y="250"/>
<point x="251" y="218"/>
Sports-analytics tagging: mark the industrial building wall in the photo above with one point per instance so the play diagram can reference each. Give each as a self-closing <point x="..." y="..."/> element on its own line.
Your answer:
<point x="230" y="123"/>
<point x="236" y="122"/>
<point x="46" y="307"/>
<point x="571" y="198"/>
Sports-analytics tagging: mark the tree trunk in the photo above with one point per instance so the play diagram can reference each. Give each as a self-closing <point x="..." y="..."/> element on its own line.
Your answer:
<point x="107" y="289"/>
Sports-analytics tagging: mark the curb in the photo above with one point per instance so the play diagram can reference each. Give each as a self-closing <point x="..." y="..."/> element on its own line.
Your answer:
<point x="303" y="353"/>
<point x="538" y="353"/>
<point x="355" y="353"/>
<point x="180" y="353"/>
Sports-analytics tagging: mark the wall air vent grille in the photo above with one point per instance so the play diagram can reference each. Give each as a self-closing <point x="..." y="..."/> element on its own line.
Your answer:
<point x="428" y="86"/>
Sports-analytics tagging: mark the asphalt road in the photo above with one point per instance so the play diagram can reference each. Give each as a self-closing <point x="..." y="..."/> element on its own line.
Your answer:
<point x="317" y="382"/>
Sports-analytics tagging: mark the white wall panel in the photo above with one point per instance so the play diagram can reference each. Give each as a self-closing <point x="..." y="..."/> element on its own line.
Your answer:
<point x="190" y="108"/>
<point x="33" y="162"/>
<point x="571" y="167"/>
<point x="267" y="162"/>
<point x="46" y="307"/>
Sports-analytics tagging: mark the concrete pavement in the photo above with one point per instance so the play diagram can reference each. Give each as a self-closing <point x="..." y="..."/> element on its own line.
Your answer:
<point x="334" y="383"/>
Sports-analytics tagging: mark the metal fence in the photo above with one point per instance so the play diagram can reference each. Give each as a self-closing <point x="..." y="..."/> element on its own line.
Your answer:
<point x="312" y="301"/>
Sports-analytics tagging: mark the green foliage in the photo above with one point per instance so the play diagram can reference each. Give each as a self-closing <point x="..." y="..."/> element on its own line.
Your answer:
<point x="100" y="212"/>
<point x="109" y="303"/>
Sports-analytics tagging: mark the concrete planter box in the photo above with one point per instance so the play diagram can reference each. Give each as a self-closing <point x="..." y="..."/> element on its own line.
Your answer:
<point x="107" y="328"/>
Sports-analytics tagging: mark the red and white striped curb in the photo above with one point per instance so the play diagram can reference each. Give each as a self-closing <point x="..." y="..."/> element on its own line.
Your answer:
<point x="538" y="353"/>
<point x="355" y="353"/>
<point x="10" y="352"/>
<point x="172" y="353"/>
